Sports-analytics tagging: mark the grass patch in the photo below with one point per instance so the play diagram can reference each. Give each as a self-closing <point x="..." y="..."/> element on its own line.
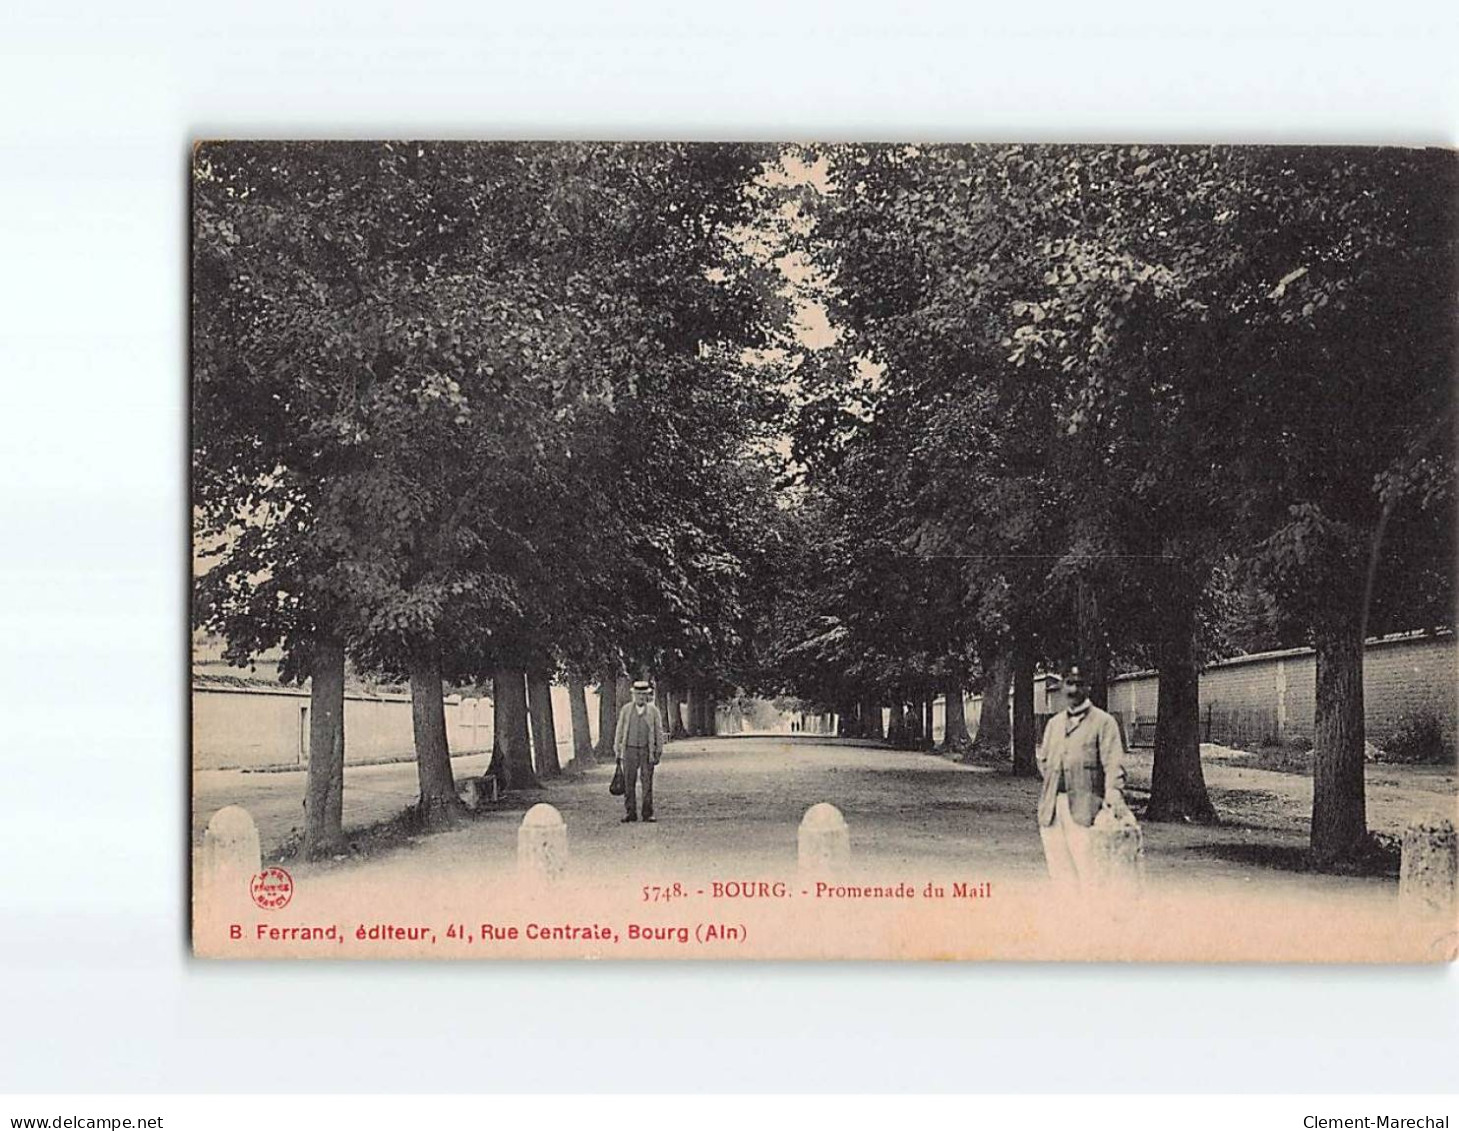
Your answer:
<point x="1378" y="857"/>
<point x="399" y="831"/>
<point x="1417" y="741"/>
<point x="1291" y="759"/>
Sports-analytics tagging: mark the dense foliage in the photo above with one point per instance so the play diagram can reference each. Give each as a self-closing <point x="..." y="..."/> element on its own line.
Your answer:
<point x="466" y="411"/>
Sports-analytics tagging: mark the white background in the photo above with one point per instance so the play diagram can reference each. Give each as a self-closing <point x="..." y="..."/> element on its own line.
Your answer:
<point x="97" y="107"/>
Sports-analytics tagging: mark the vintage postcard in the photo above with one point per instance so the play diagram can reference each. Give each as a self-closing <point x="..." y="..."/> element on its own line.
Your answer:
<point x="850" y="551"/>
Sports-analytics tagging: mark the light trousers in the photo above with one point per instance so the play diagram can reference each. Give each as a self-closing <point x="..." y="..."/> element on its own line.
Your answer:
<point x="1066" y="847"/>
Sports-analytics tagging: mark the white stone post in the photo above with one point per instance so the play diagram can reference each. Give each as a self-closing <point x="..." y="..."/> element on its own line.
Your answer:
<point x="542" y="844"/>
<point x="1116" y="855"/>
<point x="824" y="839"/>
<point x="230" y="859"/>
<point x="1429" y="870"/>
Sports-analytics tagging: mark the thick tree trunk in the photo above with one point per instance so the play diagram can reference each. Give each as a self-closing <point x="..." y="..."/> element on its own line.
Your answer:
<point x="928" y="741"/>
<point x="1093" y="643"/>
<point x="324" y="793"/>
<point x="912" y="726"/>
<point x="544" y="726"/>
<point x="676" y="714"/>
<point x="710" y="706"/>
<point x="512" y="749"/>
<point x="995" y="736"/>
<point x="846" y="719"/>
<point x="1025" y="738"/>
<point x="1339" y="813"/>
<point x="439" y="804"/>
<point x="607" y="714"/>
<point x="955" y="737"/>
<point x="694" y="720"/>
<point x="582" y="734"/>
<point x="897" y="724"/>
<point x="1177" y="783"/>
<point x="871" y="714"/>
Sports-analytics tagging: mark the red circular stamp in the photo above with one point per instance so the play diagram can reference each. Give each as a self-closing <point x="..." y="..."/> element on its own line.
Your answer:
<point x="272" y="888"/>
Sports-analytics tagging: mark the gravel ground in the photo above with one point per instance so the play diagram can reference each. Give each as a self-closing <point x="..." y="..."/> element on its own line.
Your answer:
<point x="735" y="803"/>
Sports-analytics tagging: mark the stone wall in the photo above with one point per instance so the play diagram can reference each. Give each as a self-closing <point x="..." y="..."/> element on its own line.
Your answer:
<point x="1271" y="697"/>
<point x="267" y="729"/>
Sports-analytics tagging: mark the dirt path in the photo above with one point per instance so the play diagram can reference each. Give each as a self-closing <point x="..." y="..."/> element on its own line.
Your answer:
<point x="735" y="804"/>
<point x="946" y="862"/>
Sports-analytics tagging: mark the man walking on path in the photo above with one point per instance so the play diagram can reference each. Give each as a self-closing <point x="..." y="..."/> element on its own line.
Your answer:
<point x="1081" y="760"/>
<point x="639" y="744"/>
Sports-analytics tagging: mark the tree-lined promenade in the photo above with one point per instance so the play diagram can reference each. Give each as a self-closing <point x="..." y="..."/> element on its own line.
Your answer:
<point x="858" y="426"/>
<point x="478" y="414"/>
<point x="732" y="804"/>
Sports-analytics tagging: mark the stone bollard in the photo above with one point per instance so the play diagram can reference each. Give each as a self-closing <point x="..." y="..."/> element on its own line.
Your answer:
<point x="230" y="858"/>
<point x="824" y="839"/>
<point x="542" y="844"/>
<point x="1429" y="871"/>
<point x="1116" y="855"/>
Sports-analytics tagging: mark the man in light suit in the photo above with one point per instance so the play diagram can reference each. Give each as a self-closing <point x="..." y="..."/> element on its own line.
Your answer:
<point x="639" y="744"/>
<point x="1081" y="760"/>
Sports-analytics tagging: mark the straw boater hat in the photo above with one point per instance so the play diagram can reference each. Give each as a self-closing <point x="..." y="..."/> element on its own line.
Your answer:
<point x="642" y="685"/>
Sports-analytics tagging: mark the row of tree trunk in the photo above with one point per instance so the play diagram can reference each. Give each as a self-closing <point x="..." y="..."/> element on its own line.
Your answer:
<point x="523" y="720"/>
<point x="524" y="743"/>
<point x="1178" y="788"/>
<point x="687" y="712"/>
<point x="860" y="718"/>
<point x="909" y="723"/>
<point x="1177" y="784"/>
<point x="702" y="712"/>
<point x="324" y="793"/>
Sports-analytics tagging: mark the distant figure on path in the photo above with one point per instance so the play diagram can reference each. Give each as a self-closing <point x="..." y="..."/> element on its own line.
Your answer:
<point x="1081" y="760"/>
<point x="639" y="744"/>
